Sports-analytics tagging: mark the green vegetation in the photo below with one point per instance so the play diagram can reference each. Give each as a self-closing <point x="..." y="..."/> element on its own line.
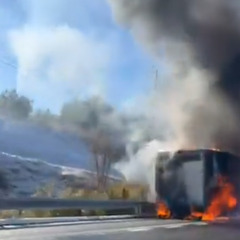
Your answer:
<point x="95" y="122"/>
<point x="14" y="106"/>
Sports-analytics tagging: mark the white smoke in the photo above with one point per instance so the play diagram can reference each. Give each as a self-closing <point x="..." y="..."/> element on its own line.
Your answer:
<point x="168" y="109"/>
<point x="166" y="114"/>
<point x="58" y="62"/>
<point x="140" y="167"/>
<point x="57" y="57"/>
<point x="70" y="60"/>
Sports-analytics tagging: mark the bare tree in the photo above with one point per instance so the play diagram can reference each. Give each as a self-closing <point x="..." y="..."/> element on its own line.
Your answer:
<point x="106" y="151"/>
<point x="103" y="130"/>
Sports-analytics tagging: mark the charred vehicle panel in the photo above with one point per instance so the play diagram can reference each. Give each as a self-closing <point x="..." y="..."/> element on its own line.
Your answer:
<point x="187" y="180"/>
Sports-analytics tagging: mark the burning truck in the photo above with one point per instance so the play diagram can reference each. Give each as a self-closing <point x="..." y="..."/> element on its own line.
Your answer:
<point x="197" y="184"/>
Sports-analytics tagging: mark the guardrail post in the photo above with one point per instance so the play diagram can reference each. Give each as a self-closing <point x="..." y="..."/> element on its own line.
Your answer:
<point x="138" y="210"/>
<point x="20" y="213"/>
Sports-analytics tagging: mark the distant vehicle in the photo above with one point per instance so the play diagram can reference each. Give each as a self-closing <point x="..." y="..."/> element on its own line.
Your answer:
<point x="188" y="180"/>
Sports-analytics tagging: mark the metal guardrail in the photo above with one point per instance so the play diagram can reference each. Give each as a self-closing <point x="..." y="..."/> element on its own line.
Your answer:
<point x="53" y="204"/>
<point x="59" y="220"/>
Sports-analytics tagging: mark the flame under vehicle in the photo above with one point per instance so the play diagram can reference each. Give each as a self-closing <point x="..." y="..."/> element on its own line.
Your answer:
<point x="187" y="181"/>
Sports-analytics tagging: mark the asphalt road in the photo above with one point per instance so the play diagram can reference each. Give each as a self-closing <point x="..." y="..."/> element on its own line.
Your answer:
<point x="134" y="229"/>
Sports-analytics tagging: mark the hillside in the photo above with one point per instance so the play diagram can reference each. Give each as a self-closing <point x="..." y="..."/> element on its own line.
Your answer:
<point x="32" y="141"/>
<point x="32" y="157"/>
<point x="23" y="177"/>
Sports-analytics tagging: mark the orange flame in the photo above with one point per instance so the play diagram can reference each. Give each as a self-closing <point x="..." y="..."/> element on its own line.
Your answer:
<point x="163" y="210"/>
<point x="195" y="215"/>
<point x="222" y="202"/>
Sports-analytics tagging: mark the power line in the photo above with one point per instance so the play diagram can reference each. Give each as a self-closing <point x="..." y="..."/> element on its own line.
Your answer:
<point x="156" y="80"/>
<point x="7" y="63"/>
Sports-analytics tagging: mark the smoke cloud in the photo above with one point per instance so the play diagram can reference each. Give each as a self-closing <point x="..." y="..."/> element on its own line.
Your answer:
<point x="62" y="51"/>
<point x="201" y="36"/>
<point x="198" y="107"/>
<point x="58" y="62"/>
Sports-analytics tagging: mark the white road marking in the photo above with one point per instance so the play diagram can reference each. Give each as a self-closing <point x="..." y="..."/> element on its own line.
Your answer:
<point x="140" y="229"/>
<point x="144" y="228"/>
<point x="8" y="234"/>
<point x="179" y="225"/>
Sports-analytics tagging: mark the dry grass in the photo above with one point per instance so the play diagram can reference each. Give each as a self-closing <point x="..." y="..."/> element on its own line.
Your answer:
<point x="128" y="191"/>
<point x="9" y="213"/>
<point x="84" y="194"/>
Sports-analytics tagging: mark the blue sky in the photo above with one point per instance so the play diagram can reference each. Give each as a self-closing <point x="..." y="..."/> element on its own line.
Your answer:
<point x="54" y="50"/>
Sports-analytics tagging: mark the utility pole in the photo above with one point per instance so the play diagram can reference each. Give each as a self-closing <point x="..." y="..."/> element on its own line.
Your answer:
<point x="156" y="80"/>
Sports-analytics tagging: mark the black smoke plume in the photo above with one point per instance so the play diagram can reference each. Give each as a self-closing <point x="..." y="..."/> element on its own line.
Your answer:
<point x="211" y="31"/>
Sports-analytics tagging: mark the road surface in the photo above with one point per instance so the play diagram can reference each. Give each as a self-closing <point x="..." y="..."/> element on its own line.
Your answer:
<point x="134" y="229"/>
